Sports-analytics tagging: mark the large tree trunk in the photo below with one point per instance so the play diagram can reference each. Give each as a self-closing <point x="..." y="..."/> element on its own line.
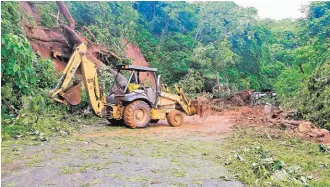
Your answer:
<point x="58" y="43"/>
<point x="64" y="10"/>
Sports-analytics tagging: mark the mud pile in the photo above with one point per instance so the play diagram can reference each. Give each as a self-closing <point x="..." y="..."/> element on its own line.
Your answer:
<point x="238" y="99"/>
<point x="258" y="116"/>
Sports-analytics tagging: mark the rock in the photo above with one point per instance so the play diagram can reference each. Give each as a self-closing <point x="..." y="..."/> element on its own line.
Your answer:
<point x="303" y="180"/>
<point x="305" y="127"/>
<point x="238" y="157"/>
<point x="293" y="169"/>
<point x="42" y="138"/>
<point x="280" y="175"/>
<point x="63" y="133"/>
<point x="268" y="110"/>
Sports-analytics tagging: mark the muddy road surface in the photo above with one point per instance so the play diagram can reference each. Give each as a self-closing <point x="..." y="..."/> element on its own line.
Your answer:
<point x="104" y="155"/>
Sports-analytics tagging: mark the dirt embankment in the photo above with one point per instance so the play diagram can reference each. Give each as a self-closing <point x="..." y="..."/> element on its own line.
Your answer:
<point x="59" y="42"/>
<point x="134" y="52"/>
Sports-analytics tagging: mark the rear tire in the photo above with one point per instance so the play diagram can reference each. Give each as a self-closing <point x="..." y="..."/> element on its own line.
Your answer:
<point x="175" y="118"/>
<point x="137" y="114"/>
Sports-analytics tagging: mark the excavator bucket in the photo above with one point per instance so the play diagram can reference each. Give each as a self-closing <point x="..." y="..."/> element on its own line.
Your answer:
<point x="73" y="94"/>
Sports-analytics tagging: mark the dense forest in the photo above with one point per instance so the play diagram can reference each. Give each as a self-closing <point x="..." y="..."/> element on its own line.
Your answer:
<point x="191" y="43"/>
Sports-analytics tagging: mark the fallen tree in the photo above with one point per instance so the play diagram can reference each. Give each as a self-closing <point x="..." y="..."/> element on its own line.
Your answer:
<point x="58" y="43"/>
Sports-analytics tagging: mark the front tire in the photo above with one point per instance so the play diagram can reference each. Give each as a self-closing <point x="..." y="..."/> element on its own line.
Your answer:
<point x="175" y="118"/>
<point x="137" y="114"/>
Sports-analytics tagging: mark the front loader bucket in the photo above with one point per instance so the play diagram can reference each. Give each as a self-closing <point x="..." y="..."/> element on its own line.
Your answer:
<point x="201" y="107"/>
<point x="73" y="94"/>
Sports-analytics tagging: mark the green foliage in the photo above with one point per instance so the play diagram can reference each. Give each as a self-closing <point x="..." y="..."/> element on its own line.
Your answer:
<point x="315" y="96"/>
<point x="25" y="84"/>
<point x="16" y="66"/>
<point x="110" y="22"/>
<point x="282" y="160"/>
<point x="289" y="82"/>
<point x="303" y="84"/>
<point x="10" y="18"/>
<point x="193" y="82"/>
<point x="46" y="9"/>
<point x="22" y="72"/>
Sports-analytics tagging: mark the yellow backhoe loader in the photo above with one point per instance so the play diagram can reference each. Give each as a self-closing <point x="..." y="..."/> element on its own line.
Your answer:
<point x="129" y="100"/>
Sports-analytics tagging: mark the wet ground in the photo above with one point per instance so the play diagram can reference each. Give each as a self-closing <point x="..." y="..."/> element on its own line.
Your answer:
<point x="103" y="155"/>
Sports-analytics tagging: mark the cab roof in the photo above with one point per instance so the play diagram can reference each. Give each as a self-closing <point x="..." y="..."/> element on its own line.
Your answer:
<point x="136" y="68"/>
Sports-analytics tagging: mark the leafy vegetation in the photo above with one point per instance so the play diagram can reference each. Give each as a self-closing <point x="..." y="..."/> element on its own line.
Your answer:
<point x="260" y="159"/>
<point x="25" y="84"/>
<point x="223" y="39"/>
<point x="190" y="43"/>
<point x="316" y="97"/>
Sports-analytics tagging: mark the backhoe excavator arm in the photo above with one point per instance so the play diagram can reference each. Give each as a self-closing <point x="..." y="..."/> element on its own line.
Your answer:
<point x="66" y="94"/>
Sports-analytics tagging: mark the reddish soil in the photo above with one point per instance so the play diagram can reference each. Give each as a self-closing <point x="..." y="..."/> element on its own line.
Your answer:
<point x="217" y="123"/>
<point x="134" y="52"/>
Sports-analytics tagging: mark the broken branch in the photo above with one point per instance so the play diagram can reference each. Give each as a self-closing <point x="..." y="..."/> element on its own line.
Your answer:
<point x="48" y="39"/>
<point x="11" y="107"/>
<point x="90" y="33"/>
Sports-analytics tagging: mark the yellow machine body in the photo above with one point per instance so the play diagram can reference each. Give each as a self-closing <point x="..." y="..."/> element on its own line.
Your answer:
<point x="71" y="95"/>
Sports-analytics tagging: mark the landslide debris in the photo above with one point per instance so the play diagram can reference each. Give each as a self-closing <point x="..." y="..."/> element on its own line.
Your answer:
<point x="267" y="115"/>
<point x="58" y="43"/>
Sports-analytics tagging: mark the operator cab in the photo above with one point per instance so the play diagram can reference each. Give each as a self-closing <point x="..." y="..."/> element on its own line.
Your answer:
<point x="142" y="84"/>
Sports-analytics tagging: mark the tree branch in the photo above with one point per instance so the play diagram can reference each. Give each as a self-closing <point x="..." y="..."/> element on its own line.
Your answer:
<point x="90" y="33"/>
<point x="11" y="107"/>
<point x="48" y="39"/>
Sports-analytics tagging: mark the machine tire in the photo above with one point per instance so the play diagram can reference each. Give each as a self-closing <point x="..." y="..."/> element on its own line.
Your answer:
<point x="175" y="118"/>
<point x="154" y="120"/>
<point x="133" y="112"/>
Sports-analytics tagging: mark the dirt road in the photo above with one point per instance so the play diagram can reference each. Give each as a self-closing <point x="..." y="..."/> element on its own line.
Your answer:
<point x="103" y="155"/>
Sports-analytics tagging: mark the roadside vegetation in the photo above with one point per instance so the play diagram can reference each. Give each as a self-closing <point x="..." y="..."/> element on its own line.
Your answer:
<point x="271" y="157"/>
<point x="26" y="81"/>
